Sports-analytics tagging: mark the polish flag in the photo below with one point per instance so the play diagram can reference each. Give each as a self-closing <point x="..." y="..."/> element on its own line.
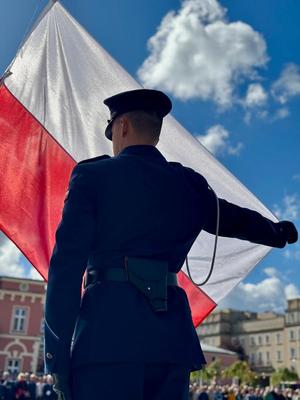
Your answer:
<point x="52" y="116"/>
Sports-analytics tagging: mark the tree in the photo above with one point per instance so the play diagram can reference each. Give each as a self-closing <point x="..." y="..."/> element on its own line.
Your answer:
<point x="209" y="373"/>
<point x="241" y="371"/>
<point x="283" y="375"/>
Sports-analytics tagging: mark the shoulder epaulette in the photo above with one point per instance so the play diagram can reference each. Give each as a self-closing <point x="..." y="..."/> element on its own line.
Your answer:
<point x="98" y="158"/>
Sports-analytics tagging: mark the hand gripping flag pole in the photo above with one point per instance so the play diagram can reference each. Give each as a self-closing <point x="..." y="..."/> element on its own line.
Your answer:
<point x="41" y="141"/>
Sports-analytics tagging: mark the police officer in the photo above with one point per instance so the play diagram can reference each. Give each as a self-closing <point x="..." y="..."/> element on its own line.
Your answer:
<point x="129" y="222"/>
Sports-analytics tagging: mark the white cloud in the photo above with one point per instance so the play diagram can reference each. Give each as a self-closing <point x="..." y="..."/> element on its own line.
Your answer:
<point x="271" y="272"/>
<point x="235" y="150"/>
<point x="12" y="262"/>
<point x="9" y="258"/>
<point x="288" y="84"/>
<point x="216" y="140"/>
<point x="282" y="113"/>
<point x="197" y="53"/>
<point x="293" y="253"/>
<point x="256" y="95"/>
<point x="291" y="291"/>
<point x="296" y="177"/>
<point x="269" y="294"/>
<point x="33" y="274"/>
<point x="290" y="208"/>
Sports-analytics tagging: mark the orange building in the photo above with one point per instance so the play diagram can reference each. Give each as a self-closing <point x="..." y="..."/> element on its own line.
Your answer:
<point x="21" y="324"/>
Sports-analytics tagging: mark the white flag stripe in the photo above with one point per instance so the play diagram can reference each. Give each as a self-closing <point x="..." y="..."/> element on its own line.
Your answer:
<point x="66" y="84"/>
<point x="62" y="77"/>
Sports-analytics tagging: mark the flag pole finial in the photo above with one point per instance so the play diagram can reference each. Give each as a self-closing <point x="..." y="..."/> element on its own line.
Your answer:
<point x="4" y="76"/>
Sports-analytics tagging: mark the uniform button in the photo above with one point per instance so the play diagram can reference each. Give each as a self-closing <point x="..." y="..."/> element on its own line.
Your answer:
<point x="149" y="288"/>
<point x="49" y="356"/>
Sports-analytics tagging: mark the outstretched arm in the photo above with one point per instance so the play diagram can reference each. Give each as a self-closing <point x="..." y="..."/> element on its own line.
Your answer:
<point x="243" y="223"/>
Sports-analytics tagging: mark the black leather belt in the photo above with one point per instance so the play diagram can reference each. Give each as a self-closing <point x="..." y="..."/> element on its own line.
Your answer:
<point x="120" y="275"/>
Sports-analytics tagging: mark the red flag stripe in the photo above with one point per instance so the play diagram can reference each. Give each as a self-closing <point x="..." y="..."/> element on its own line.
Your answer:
<point x="201" y="304"/>
<point x="33" y="181"/>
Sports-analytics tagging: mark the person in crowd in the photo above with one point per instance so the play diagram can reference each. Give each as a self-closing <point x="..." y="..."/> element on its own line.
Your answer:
<point x="39" y="386"/>
<point x="48" y="392"/>
<point x="231" y="394"/>
<point x="296" y="394"/>
<point x="279" y="394"/>
<point x="218" y="394"/>
<point x="203" y="395"/>
<point x="259" y="393"/>
<point x="2" y="392"/>
<point x="21" y="391"/>
<point x="8" y="385"/>
<point x="32" y="386"/>
<point x="250" y="394"/>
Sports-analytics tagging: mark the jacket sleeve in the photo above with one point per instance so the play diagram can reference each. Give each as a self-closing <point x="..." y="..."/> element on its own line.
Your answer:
<point x="242" y="223"/>
<point x="74" y="239"/>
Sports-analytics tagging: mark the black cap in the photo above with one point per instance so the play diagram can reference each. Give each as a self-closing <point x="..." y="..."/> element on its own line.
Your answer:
<point x="132" y="100"/>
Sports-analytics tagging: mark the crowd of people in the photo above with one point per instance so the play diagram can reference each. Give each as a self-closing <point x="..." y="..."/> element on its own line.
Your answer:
<point x="235" y="392"/>
<point x="26" y="386"/>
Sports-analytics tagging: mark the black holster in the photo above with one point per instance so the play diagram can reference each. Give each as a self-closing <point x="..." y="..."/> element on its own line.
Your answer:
<point x="149" y="277"/>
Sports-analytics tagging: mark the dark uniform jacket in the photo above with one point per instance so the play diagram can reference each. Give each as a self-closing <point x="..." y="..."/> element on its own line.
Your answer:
<point x="135" y="204"/>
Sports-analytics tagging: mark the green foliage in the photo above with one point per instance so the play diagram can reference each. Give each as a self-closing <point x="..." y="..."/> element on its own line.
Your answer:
<point x="283" y="375"/>
<point x="209" y="373"/>
<point x="240" y="370"/>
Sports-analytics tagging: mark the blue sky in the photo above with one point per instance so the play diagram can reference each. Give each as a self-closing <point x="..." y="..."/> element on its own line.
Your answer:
<point x="232" y="69"/>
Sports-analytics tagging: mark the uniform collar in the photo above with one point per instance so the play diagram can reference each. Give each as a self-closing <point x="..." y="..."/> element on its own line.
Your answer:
<point x="142" y="150"/>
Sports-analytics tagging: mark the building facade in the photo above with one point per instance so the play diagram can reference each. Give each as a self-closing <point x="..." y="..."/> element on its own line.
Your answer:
<point x="21" y="324"/>
<point x="267" y="340"/>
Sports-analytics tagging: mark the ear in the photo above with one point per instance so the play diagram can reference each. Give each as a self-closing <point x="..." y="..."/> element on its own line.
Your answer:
<point x="125" y="125"/>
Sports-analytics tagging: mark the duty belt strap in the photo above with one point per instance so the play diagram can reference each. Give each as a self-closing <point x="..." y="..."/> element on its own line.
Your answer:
<point x="150" y="277"/>
<point x="121" y="275"/>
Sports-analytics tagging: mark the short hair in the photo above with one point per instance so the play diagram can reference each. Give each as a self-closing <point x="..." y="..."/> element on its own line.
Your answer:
<point x="147" y="123"/>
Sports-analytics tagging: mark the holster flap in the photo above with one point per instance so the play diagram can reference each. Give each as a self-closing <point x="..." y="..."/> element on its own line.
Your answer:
<point x="149" y="277"/>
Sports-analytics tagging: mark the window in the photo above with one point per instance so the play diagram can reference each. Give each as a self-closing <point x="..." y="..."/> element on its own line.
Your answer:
<point x="268" y="358"/>
<point x="292" y="335"/>
<point x="259" y="340"/>
<point x="278" y="338"/>
<point x="278" y="355"/>
<point x="252" y="341"/>
<point x="19" y="319"/>
<point x="293" y="354"/>
<point x="252" y="358"/>
<point x="13" y="366"/>
<point x="259" y="358"/>
<point x="267" y="339"/>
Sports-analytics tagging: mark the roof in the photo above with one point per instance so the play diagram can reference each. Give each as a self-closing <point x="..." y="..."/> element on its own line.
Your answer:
<point x="212" y="349"/>
<point x="20" y="279"/>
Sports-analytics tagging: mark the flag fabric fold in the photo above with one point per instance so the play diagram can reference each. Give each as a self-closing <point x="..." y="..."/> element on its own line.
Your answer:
<point x="52" y="116"/>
